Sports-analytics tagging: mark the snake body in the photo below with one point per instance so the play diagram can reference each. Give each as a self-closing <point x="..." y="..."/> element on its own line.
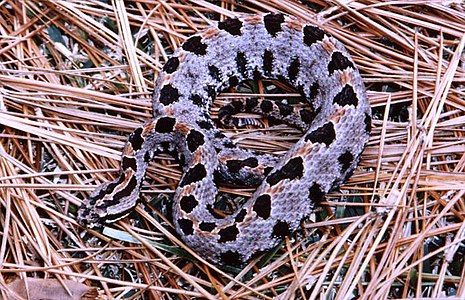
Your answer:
<point x="336" y="129"/>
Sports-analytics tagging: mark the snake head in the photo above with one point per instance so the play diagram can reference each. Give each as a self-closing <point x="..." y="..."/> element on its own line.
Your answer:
<point x="110" y="202"/>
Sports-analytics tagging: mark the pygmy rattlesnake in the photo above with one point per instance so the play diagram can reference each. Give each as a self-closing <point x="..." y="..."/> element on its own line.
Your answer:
<point x="248" y="47"/>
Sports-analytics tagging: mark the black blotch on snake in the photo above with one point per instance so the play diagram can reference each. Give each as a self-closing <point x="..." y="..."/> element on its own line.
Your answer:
<point x="262" y="206"/>
<point x="231" y="25"/>
<point x="266" y="106"/>
<point x="339" y="62"/>
<point x="315" y="193"/>
<point x="281" y="229"/>
<point x="207" y="226"/>
<point x="165" y="125"/>
<point x="188" y="203"/>
<point x="345" y="160"/>
<point x="214" y="72"/>
<point x="194" y="140"/>
<point x="241" y="215"/>
<point x="171" y="65"/>
<point x="168" y="94"/>
<point x="231" y="258"/>
<point x="228" y="234"/>
<point x="293" y="69"/>
<point x="127" y="190"/>
<point x="268" y="62"/>
<point x="312" y="34"/>
<point x="367" y="122"/>
<point x="187" y="226"/>
<point x="194" y="44"/>
<point x="129" y="162"/>
<point x="273" y="23"/>
<point x="324" y="134"/>
<point x="346" y="96"/>
<point x="241" y="63"/>
<point x="293" y="169"/>
<point x="136" y="139"/>
<point x="194" y="174"/>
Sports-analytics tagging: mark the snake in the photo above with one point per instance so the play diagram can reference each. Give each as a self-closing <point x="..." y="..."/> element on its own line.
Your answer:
<point x="336" y="126"/>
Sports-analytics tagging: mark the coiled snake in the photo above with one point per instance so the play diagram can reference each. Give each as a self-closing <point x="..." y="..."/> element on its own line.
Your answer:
<point x="336" y="129"/>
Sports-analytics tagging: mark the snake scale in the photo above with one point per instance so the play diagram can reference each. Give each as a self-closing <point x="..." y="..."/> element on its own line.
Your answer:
<point x="336" y="129"/>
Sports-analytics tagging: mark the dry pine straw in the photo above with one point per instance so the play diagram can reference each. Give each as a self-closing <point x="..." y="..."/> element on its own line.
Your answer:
<point x="75" y="79"/>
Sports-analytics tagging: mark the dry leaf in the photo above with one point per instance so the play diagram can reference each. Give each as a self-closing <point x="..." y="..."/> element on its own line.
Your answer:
<point x="49" y="289"/>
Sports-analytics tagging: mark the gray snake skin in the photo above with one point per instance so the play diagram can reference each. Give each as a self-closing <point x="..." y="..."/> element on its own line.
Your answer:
<point x="336" y="129"/>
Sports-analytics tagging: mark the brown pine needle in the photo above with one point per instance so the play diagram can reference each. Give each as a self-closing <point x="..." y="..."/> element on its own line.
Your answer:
<point x="76" y="78"/>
